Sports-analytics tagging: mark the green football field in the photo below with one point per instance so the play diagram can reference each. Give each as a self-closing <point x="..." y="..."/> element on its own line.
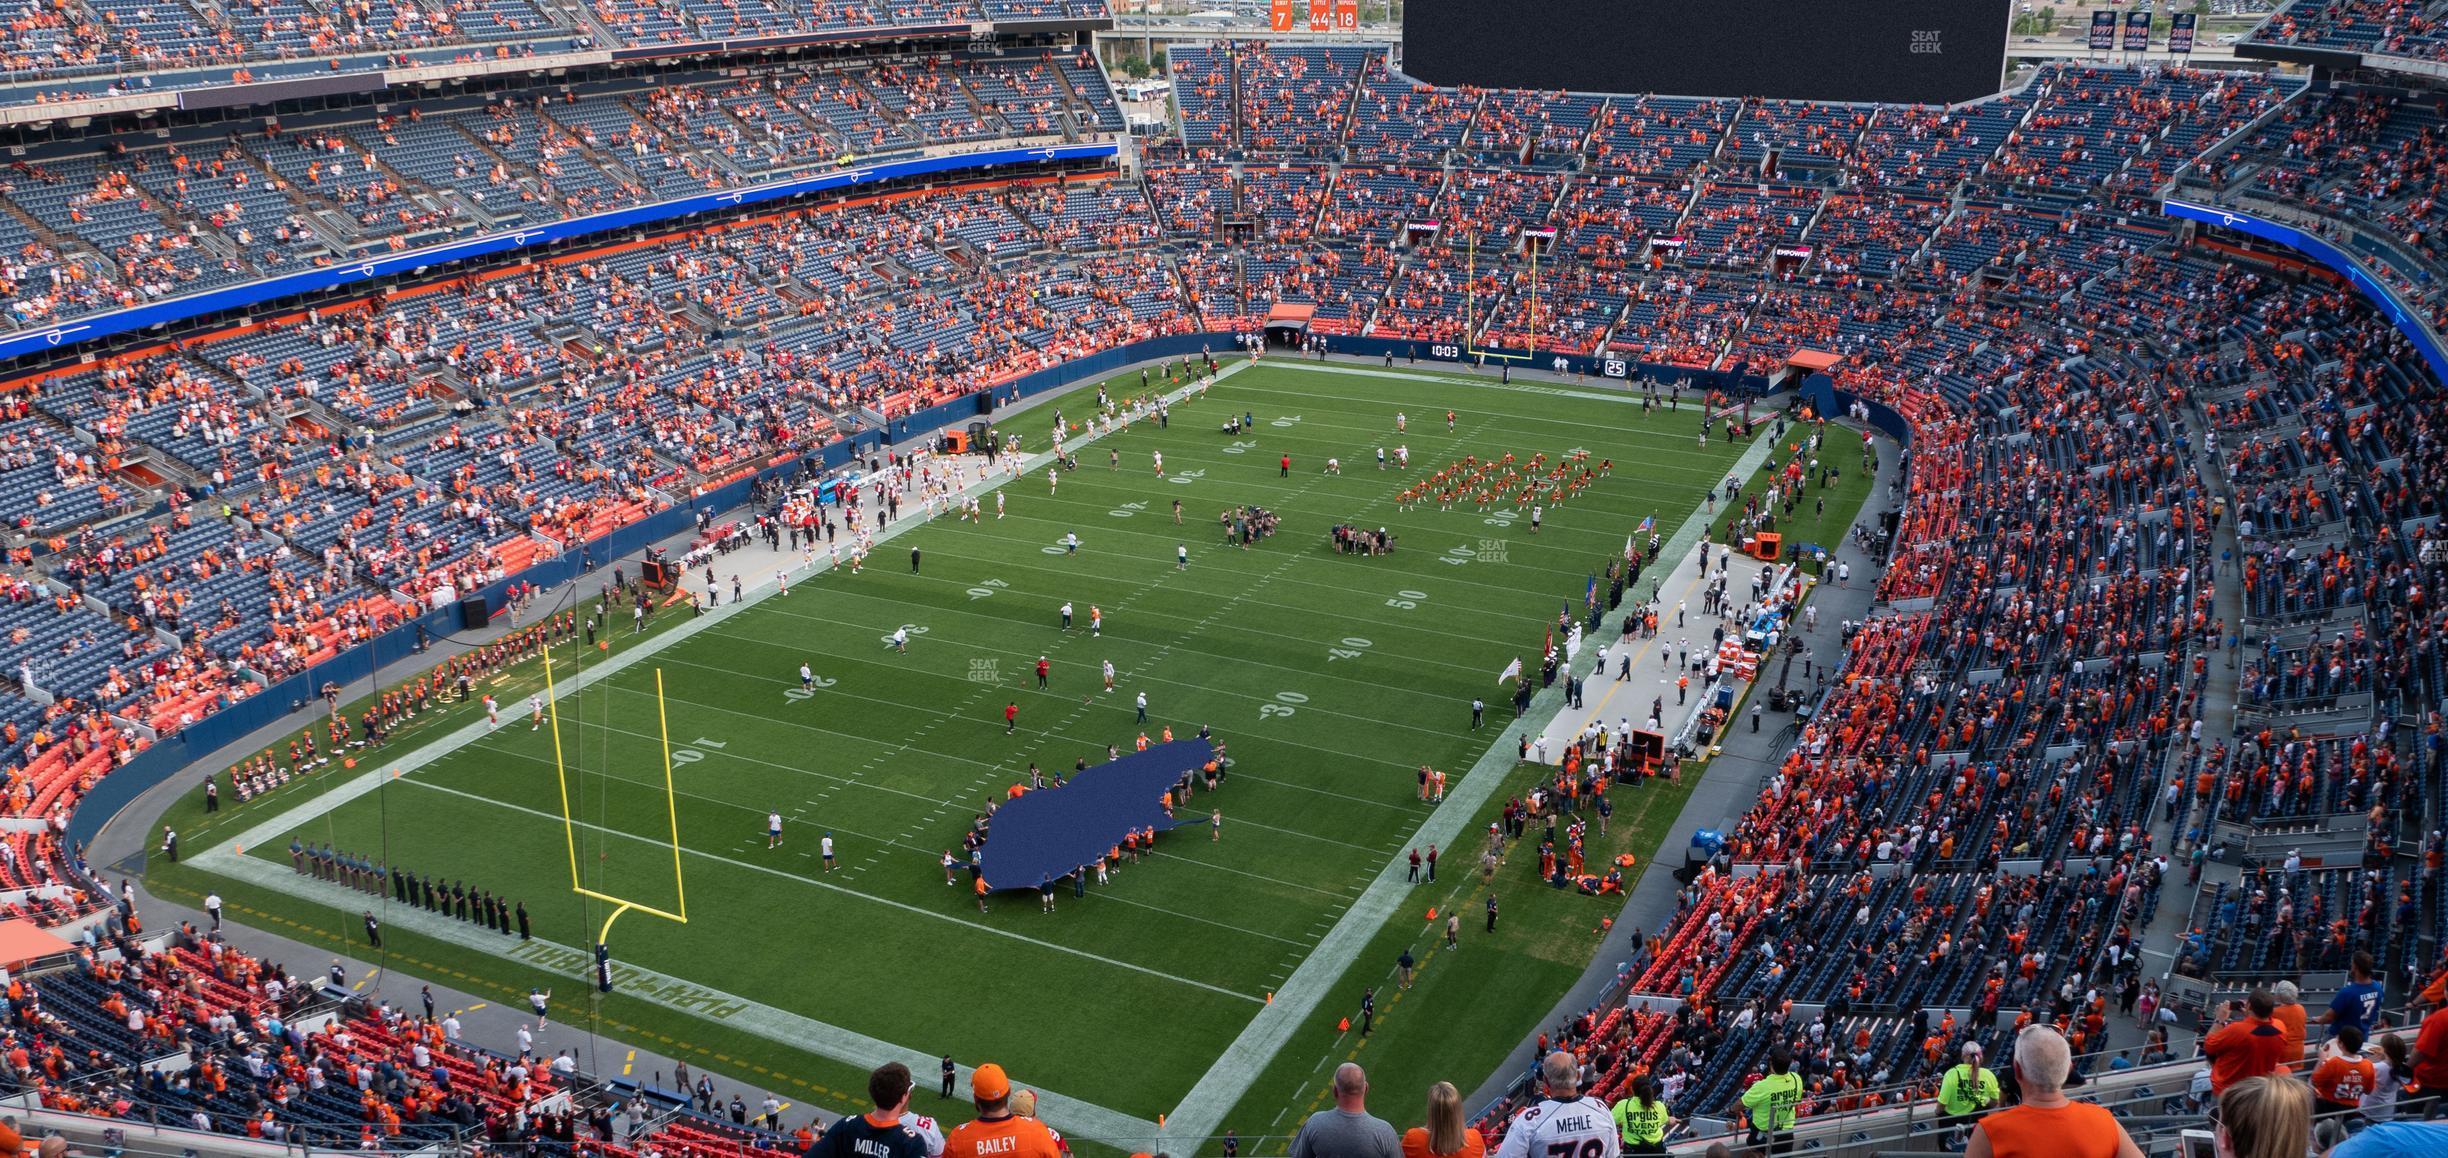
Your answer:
<point x="1330" y="677"/>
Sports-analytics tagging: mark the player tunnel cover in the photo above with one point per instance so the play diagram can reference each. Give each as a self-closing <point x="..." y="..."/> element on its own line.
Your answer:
<point x="1050" y="833"/>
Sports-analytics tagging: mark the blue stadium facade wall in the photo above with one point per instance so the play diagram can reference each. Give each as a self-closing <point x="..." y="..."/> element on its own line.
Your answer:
<point x="2327" y="253"/>
<point x="598" y="226"/>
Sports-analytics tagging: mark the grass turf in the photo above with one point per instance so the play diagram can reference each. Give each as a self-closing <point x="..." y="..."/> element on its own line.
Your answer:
<point x="1331" y="677"/>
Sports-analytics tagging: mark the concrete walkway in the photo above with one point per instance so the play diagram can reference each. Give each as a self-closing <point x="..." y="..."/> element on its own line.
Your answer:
<point x="2160" y="939"/>
<point x="1618" y="694"/>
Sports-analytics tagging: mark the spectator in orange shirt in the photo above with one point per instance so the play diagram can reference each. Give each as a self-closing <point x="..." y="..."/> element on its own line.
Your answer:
<point x="1444" y="1135"/>
<point x="2344" y="1075"/>
<point x="2047" y="1124"/>
<point x="2430" y="1066"/>
<point x="2288" y="1012"/>
<point x="2246" y="1044"/>
<point x="998" y="1131"/>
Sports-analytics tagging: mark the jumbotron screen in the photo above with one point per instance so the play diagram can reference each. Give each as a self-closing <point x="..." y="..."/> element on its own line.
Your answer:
<point x="1929" y="51"/>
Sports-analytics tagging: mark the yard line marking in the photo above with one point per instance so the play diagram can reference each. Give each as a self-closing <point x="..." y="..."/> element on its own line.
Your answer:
<point x="1111" y="896"/>
<point x="993" y="770"/>
<point x="1312" y="788"/>
<point x="1135" y="674"/>
<point x="1305" y="836"/>
<point x="1005" y="565"/>
<point x="1002" y="624"/>
<point x="1550" y="543"/>
<point x="1041" y="736"/>
<point x="1251" y="875"/>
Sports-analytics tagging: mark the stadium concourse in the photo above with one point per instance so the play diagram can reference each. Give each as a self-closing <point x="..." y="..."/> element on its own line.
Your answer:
<point x="2136" y="731"/>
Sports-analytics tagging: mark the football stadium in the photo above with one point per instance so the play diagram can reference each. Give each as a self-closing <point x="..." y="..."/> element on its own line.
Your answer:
<point x="1010" y="578"/>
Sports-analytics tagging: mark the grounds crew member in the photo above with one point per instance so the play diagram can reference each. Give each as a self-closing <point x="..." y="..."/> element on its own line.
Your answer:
<point x="1771" y="1101"/>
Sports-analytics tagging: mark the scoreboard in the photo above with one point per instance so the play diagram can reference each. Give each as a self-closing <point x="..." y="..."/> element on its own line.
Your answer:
<point x="1320" y="15"/>
<point x="1931" y="51"/>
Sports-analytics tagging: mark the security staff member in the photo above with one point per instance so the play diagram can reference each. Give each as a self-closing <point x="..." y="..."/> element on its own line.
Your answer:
<point x="1967" y="1091"/>
<point x="1641" y="1118"/>
<point x="1771" y="1101"/>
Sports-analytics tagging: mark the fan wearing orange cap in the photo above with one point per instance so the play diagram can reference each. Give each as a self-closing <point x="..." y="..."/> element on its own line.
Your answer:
<point x="998" y="1132"/>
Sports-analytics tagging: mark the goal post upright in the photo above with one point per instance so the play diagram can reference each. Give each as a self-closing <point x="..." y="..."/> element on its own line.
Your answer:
<point x="569" y="827"/>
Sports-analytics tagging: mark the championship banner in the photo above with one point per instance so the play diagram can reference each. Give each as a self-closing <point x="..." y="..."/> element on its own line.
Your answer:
<point x="1279" y="17"/>
<point x="2137" y="31"/>
<point x="2103" y="28"/>
<point x="1347" y="15"/>
<point x="2180" y="33"/>
<point x="1321" y="15"/>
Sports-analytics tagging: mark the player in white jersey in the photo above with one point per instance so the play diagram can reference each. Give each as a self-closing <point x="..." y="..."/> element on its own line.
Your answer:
<point x="492" y="713"/>
<point x="535" y="712"/>
<point x="1563" y="1124"/>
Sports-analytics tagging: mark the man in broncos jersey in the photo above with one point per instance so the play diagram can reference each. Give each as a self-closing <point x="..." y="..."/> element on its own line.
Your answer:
<point x="1563" y="1124"/>
<point x="890" y="1130"/>
<point x="998" y="1132"/>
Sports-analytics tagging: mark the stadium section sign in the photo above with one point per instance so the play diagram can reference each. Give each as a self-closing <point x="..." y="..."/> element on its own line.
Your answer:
<point x="1934" y="51"/>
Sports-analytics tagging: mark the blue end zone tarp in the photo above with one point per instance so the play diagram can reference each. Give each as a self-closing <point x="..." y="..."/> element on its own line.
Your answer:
<point x="1039" y="836"/>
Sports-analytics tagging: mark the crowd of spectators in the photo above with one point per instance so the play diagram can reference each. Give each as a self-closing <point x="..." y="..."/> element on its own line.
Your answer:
<point x="183" y="1029"/>
<point x="2403" y="28"/>
<point x="2096" y="662"/>
<point x="2357" y="163"/>
<point x="130" y="222"/>
<point x="64" y="52"/>
<point x="1958" y="845"/>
